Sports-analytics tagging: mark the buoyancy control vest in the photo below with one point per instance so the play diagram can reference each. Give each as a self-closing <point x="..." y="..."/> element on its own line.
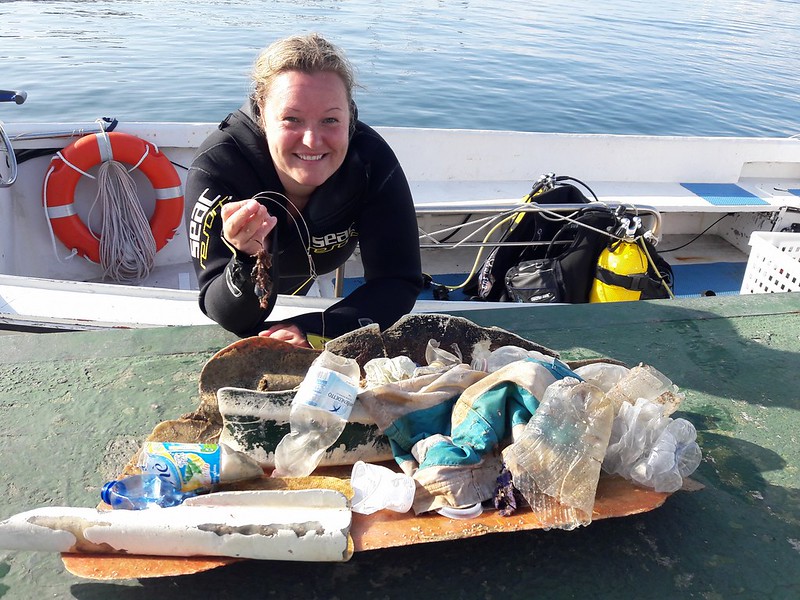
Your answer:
<point x="570" y="257"/>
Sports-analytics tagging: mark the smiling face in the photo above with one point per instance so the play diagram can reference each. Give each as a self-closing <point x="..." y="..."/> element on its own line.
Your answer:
<point x="306" y="117"/>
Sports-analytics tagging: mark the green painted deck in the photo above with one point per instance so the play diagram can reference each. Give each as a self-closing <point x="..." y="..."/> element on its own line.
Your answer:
<point x="74" y="406"/>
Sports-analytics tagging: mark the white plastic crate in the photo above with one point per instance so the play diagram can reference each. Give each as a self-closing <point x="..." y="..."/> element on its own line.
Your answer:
<point x="774" y="263"/>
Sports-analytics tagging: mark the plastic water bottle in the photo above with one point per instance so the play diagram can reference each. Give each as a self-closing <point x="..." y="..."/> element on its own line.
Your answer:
<point x="142" y="491"/>
<point x="319" y="412"/>
<point x="197" y="467"/>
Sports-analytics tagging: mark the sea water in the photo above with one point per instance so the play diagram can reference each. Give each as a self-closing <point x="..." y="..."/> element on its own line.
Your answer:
<point x="717" y="67"/>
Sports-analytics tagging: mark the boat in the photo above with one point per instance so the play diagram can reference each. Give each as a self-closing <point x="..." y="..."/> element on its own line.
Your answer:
<point x="702" y="196"/>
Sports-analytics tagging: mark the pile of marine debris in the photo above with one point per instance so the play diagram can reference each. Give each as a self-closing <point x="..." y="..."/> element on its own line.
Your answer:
<point x="474" y="414"/>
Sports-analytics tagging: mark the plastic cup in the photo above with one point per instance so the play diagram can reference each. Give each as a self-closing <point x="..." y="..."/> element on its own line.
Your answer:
<point x="378" y="487"/>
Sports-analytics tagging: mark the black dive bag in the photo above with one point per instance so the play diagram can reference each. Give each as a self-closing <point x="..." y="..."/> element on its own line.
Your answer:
<point x="562" y="266"/>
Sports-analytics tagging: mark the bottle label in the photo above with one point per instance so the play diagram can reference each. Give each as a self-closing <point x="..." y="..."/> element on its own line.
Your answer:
<point x="328" y="390"/>
<point x="189" y="467"/>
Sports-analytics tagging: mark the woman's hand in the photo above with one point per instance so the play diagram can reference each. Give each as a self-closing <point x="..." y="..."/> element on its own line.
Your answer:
<point x="245" y="224"/>
<point x="287" y="333"/>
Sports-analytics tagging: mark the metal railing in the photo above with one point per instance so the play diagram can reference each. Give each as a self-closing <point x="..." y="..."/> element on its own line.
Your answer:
<point x="8" y="174"/>
<point x="491" y="215"/>
<point x="485" y="218"/>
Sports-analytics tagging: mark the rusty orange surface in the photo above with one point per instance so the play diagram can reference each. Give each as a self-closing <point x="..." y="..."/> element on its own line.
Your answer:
<point x="116" y="566"/>
<point x="615" y="497"/>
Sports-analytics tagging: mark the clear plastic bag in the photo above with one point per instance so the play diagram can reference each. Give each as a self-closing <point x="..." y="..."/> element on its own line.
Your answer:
<point x="603" y="375"/>
<point x="380" y="371"/>
<point x="651" y="449"/>
<point x="644" y="381"/>
<point x="376" y="487"/>
<point x="490" y="361"/>
<point x="674" y="456"/>
<point x="439" y="360"/>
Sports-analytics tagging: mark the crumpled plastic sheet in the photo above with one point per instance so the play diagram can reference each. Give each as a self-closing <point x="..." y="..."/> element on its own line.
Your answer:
<point x="380" y="371"/>
<point x="484" y="359"/>
<point x="603" y="375"/>
<point x="439" y="359"/>
<point x="556" y="462"/>
<point x="652" y="449"/>
<point x="644" y="381"/>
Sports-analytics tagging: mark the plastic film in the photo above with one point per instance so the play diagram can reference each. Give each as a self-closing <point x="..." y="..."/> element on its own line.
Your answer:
<point x="556" y="463"/>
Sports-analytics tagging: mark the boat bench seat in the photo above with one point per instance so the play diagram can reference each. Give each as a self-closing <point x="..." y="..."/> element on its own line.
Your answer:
<point x="767" y="195"/>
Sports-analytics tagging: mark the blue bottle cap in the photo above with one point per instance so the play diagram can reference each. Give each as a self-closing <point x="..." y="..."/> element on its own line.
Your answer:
<point x="106" y="492"/>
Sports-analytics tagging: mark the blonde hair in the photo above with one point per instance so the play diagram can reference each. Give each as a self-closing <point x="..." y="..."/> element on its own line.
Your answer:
<point x="305" y="53"/>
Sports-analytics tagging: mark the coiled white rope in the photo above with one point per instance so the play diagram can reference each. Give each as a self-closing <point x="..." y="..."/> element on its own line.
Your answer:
<point x="127" y="245"/>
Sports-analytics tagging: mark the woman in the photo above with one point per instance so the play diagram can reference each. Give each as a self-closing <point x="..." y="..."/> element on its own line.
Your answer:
<point x="295" y="176"/>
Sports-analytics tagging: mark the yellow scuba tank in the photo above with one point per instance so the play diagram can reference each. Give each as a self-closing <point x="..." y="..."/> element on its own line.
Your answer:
<point x="618" y="267"/>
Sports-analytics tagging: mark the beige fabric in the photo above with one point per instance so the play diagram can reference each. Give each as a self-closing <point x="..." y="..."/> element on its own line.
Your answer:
<point x="387" y="403"/>
<point x="462" y="485"/>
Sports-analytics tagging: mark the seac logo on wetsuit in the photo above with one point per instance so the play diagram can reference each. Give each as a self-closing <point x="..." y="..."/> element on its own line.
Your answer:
<point x="200" y="222"/>
<point x="332" y="241"/>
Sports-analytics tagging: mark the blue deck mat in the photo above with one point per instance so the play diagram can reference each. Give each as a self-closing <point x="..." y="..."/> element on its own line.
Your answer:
<point x="724" y="194"/>
<point x="721" y="278"/>
<point x="691" y="281"/>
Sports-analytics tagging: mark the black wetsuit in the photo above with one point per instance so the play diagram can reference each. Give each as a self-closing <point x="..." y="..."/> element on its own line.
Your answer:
<point x="366" y="202"/>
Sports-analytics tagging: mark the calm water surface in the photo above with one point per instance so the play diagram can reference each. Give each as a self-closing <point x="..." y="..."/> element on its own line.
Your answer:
<point x="713" y="67"/>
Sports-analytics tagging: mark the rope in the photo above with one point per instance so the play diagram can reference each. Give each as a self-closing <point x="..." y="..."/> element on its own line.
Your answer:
<point x="127" y="246"/>
<point x="312" y="270"/>
<point x="515" y="216"/>
<point x="478" y="256"/>
<point x="270" y="196"/>
<point x="640" y="242"/>
<point x="74" y="251"/>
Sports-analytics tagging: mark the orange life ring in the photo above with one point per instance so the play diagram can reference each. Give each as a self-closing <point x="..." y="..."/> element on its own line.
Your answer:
<point x="89" y="151"/>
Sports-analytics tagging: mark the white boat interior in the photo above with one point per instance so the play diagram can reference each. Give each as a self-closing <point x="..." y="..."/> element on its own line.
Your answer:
<point x="706" y="195"/>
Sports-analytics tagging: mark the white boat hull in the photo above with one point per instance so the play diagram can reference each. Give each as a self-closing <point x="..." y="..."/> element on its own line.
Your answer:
<point x="452" y="173"/>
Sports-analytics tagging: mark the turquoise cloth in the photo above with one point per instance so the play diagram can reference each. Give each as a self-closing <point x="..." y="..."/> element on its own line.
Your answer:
<point x="405" y="432"/>
<point x="446" y="429"/>
<point x="489" y="419"/>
